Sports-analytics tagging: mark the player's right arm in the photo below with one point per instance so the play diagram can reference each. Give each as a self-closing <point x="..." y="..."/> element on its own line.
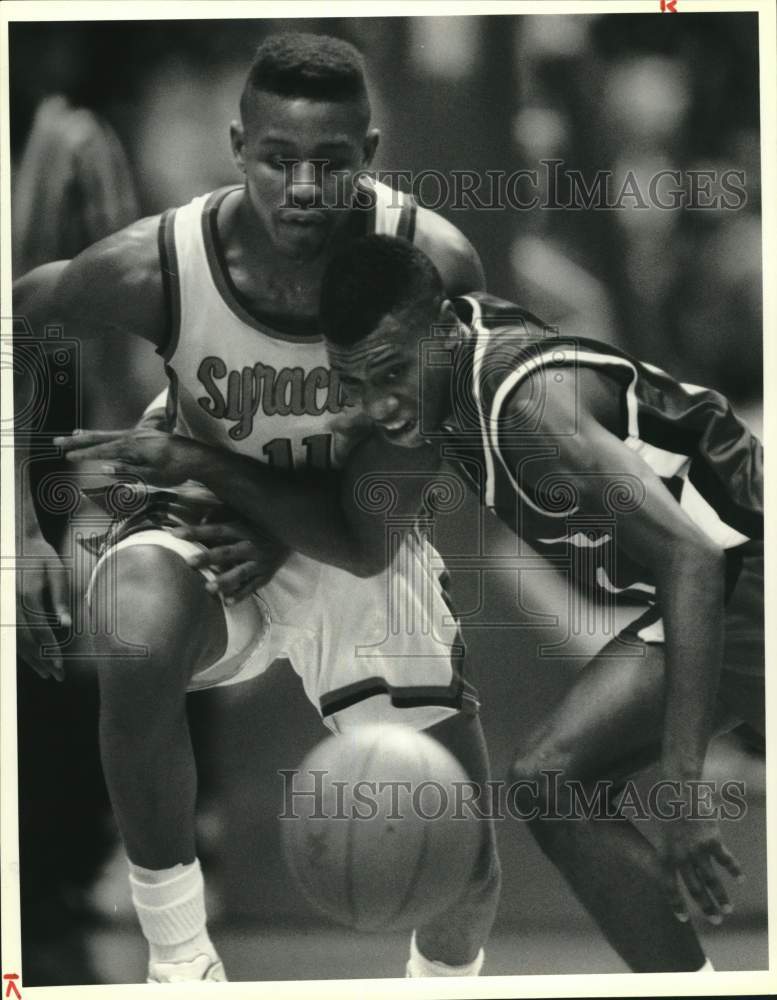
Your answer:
<point x="114" y="285"/>
<point x="336" y="518"/>
<point x="576" y="439"/>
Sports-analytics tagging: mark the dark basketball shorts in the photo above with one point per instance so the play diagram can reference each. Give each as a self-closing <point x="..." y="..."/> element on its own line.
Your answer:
<point x="741" y="688"/>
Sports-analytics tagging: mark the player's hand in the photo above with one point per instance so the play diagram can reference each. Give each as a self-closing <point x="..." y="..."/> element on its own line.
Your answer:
<point x="154" y="456"/>
<point x="41" y="588"/>
<point x="155" y="420"/>
<point x="692" y="853"/>
<point x="242" y="558"/>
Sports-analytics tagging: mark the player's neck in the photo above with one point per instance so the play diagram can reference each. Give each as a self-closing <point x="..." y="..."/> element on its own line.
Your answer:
<point x="271" y="281"/>
<point x="243" y="233"/>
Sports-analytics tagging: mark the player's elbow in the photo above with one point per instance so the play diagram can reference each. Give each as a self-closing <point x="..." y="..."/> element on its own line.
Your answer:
<point x="697" y="558"/>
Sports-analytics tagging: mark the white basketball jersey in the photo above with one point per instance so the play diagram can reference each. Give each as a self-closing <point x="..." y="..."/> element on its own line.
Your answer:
<point x="234" y="381"/>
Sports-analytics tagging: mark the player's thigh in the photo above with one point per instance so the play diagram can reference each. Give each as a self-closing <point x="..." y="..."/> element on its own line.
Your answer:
<point x="146" y="597"/>
<point x="611" y="716"/>
<point x="462" y="734"/>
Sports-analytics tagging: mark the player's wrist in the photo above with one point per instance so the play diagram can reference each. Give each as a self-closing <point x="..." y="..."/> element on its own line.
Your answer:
<point x="684" y="775"/>
<point x="206" y="464"/>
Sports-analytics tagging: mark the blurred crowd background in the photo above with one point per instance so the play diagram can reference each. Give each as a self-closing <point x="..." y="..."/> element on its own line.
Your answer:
<point x="111" y="121"/>
<point x="639" y="93"/>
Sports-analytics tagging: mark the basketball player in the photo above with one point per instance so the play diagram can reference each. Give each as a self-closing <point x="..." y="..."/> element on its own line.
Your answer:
<point x="644" y="485"/>
<point x="637" y="483"/>
<point x="226" y="289"/>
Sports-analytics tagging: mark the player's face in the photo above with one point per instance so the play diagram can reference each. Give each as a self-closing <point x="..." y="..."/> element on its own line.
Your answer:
<point x="301" y="158"/>
<point x="385" y="375"/>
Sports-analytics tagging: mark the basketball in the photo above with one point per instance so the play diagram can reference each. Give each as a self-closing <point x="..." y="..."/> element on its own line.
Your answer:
<point x="376" y="829"/>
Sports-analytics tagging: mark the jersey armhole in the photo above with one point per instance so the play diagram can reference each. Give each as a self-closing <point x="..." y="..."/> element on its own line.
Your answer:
<point x="168" y="263"/>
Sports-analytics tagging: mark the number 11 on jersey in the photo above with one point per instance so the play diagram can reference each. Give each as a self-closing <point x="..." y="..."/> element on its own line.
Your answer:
<point x="318" y="452"/>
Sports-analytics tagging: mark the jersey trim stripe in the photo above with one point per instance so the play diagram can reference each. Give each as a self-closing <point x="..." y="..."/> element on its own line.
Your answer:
<point x="452" y="695"/>
<point x="704" y="515"/>
<point x="482" y="335"/>
<point x="511" y="383"/>
<point x="664" y="463"/>
<point x="578" y="539"/>
<point x="171" y="286"/>
<point x="407" y="219"/>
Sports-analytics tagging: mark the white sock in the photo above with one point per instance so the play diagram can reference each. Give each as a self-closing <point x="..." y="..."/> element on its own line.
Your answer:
<point x="170" y="904"/>
<point x="419" y="966"/>
<point x="707" y="967"/>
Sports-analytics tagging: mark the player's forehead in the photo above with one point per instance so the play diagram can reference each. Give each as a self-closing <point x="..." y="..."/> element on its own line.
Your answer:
<point x="389" y="341"/>
<point x="301" y="121"/>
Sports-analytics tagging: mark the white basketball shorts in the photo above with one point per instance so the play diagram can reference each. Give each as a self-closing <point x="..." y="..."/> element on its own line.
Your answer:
<point x="385" y="648"/>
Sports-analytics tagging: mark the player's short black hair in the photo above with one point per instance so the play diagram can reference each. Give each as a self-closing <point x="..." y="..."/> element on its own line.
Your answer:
<point x="372" y="277"/>
<point x="296" y="64"/>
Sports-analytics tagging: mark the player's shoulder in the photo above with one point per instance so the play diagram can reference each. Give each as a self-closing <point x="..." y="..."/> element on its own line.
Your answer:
<point x="38" y="281"/>
<point x="537" y="378"/>
<point x="504" y="318"/>
<point x="452" y="253"/>
<point x="130" y="255"/>
<point x="115" y="284"/>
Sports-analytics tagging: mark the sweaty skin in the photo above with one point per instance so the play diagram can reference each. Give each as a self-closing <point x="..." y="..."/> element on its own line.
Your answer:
<point x="275" y="260"/>
<point x="577" y="429"/>
<point x="276" y="256"/>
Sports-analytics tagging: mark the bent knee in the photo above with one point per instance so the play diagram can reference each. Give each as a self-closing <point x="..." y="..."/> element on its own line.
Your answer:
<point x="536" y="782"/>
<point x="146" y="597"/>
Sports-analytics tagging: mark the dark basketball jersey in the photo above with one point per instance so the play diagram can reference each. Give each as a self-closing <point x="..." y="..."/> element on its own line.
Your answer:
<point x="688" y="435"/>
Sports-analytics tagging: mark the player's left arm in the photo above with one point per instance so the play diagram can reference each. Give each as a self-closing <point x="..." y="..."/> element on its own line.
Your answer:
<point x="689" y="571"/>
<point x="451" y="252"/>
<point x="336" y="518"/>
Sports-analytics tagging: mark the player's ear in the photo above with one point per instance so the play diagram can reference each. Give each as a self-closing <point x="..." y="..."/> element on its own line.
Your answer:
<point x="370" y="145"/>
<point x="237" y="141"/>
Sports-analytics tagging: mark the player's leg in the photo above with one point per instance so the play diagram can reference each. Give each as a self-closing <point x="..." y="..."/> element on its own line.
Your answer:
<point x="148" y="597"/>
<point x="453" y="942"/>
<point x="155" y="624"/>
<point x="609" y="721"/>
<point x="397" y="631"/>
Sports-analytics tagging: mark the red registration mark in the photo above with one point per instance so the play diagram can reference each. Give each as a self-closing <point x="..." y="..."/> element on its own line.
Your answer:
<point x="11" y="989"/>
<point x="668" y="6"/>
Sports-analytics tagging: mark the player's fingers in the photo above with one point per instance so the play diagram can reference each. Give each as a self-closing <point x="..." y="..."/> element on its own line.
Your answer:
<point x="207" y="534"/>
<point x="107" y="449"/>
<point x="713" y="885"/>
<point x="28" y="650"/>
<point x="726" y="859"/>
<point x="248" y="588"/>
<point x="59" y="593"/>
<point x="697" y="889"/>
<point x="31" y="644"/>
<point x="671" y="886"/>
<point x="231" y="531"/>
<point x="226" y="556"/>
<point x="248" y="574"/>
<point x="79" y="440"/>
<point x="138" y="473"/>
